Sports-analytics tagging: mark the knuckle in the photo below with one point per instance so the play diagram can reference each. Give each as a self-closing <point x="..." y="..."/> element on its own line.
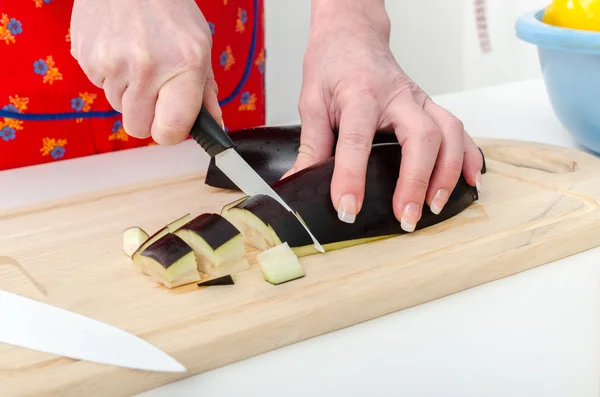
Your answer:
<point x="453" y="124"/>
<point x="355" y="139"/>
<point x="197" y="51"/>
<point x="107" y="60"/>
<point x="451" y="166"/>
<point x="347" y="93"/>
<point x="190" y="56"/>
<point x="211" y="84"/>
<point x="304" y="105"/>
<point x="108" y="64"/>
<point x="142" y="63"/>
<point x="310" y="106"/>
<point x="430" y="134"/>
<point x="417" y="182"/>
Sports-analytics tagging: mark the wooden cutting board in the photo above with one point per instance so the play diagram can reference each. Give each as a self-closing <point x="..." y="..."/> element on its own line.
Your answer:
<point x="539" y="203"/>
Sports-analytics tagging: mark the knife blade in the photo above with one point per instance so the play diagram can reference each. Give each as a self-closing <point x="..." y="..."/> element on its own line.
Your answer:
<point x="215" y="141"/>
<point x="35" y="325"/>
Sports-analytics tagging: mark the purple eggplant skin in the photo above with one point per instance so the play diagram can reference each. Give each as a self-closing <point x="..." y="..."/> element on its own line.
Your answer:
<point x="167" y="250"/>
<point x="308" y="192"/>
<point x="213" y="228"/>
<point x="223" y="280"/>
<point x="272" y="150"/>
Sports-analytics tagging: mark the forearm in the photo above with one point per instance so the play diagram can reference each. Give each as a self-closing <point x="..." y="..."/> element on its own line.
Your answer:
<point x="352" y="13"/>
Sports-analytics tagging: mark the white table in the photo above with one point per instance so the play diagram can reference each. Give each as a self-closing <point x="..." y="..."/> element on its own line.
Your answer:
<point x="534" y="334"/>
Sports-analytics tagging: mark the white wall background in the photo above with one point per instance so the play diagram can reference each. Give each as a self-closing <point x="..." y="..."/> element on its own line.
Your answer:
<point x="435" y="42"/>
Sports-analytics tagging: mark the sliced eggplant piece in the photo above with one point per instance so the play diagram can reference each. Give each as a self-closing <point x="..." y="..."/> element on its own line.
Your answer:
<point x="223" y="280"/>
<point x="169" y="261"/>
<point x="280" y="264"/>
<point x="271" y="151"/>
<point x="171" y="227"/>
<point x="156" y="236"/>
<point x="133" y="238"/>
<point x="265" y="223"/>
<point x="217" y="244"/>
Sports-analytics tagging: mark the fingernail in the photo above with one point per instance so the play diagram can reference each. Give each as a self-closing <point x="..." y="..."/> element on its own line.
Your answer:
<point x="223" y="123"/>
<point x="410" y="217"/>
<point x="438" y="202"/>
<point x="478" y="181"/>
<point x="347" y="208"/>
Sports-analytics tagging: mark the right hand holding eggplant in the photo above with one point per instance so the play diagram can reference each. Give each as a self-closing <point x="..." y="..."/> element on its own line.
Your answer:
<point x="152" y="58"/>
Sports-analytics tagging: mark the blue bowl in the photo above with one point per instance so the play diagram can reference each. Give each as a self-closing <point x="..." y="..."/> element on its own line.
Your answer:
<point x="570" y="64"/>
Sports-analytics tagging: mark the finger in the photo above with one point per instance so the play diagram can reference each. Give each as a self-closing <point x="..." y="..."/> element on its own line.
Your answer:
<point x="316" y="137"/>
<point x="358" y="123"/>
<point x="139" y="104"/>
<point x="211" y="99"/>
<point x="473" y="162"/>
<point x="114" y="88"/>
<point x="420" y="139"/>
<point x="450" y="157"/>
<point x="177" y="107"/>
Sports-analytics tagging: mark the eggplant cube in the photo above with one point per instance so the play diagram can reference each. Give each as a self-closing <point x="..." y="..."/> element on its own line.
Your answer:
<point x="169" y="261"/>
<point x="280" y="264"/>
<point x="256" y="232"/>
<point x="133" y="238"/>
<point x="135" y="257"/>
<point x="217" y="244"/>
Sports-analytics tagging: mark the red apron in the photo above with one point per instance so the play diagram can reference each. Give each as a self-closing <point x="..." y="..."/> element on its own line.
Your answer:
<point x="50" y="111"/>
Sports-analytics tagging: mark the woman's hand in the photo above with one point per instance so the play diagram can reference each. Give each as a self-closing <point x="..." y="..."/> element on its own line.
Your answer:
<point x="152" y="58"/>
<point x="352" y="82"/>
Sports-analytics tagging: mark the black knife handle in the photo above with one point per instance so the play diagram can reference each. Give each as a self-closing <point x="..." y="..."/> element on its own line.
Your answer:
<point x="209" y="134"/>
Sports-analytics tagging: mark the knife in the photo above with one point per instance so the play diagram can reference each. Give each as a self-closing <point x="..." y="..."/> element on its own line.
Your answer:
<point x="38" y="326"/>
<point x="215" y="141"/>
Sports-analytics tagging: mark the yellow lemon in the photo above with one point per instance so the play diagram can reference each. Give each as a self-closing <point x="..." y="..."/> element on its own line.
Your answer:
<point x="574" y="14"/>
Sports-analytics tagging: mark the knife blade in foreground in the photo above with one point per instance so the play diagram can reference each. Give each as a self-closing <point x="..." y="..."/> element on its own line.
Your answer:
<point x="217" y="144"/>
<point x="35" y="325"/>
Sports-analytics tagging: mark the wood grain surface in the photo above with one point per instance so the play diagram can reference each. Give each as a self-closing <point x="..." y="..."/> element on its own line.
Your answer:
<point x="538" y="203"/>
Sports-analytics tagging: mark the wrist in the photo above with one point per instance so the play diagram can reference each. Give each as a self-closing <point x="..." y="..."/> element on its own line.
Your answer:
<point x="356" y="14"/>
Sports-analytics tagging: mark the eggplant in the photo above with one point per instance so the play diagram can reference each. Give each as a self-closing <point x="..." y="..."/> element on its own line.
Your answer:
<point x="169" y="261"/>
<point x="265" y="223"/>
<point x="270" y="151"/>
<point x="133" y="238"/>
<point x="280" y="264"/>
<point x="217" y="244"/>
<point x="223" y="280"/>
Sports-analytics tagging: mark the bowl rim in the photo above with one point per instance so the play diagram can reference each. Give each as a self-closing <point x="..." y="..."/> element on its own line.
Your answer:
<point x="530" y="28"/>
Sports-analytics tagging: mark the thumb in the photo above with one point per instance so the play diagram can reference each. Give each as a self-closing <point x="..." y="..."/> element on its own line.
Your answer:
<point x="316" y="136"/>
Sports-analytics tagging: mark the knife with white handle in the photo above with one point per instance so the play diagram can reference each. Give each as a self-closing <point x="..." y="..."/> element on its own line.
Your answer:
<point x="38" y="326"/>
<point x="209" y="134"/>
